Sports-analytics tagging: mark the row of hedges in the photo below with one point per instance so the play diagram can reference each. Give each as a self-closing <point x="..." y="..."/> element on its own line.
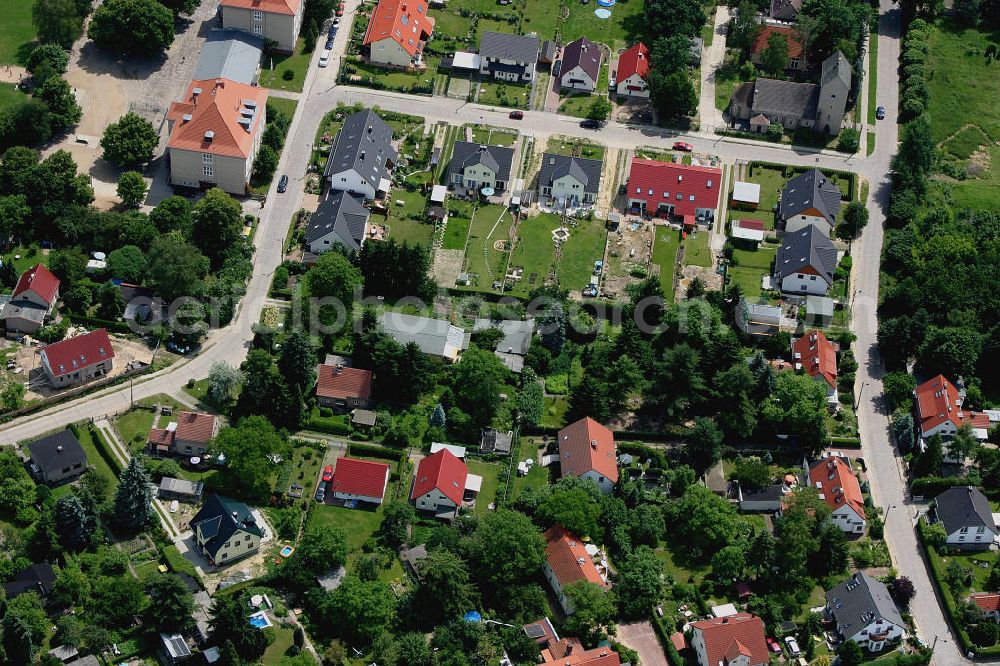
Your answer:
<point x="845" y="442"/>
<point x="792" y="171"/>
<point x="663" y="633"/>
<point x="329" y="425"/>
<point x="371" y="451"/>
<point x="95" y="322"/>
<point x="913" y="92"/>
<point x="932" y="486"/>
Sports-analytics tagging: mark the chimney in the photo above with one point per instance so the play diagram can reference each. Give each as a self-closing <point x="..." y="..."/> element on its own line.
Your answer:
<point x="725" y="620"/>
<point x="235" y="516"/>
<point x="593" y="443"/>
<point x="59" y="448"/>
<point x="209" y="135"/>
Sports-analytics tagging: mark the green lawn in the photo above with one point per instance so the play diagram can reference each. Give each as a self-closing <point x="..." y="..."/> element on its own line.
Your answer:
<point x="94" y="458"/>
<point x="963" y="84"/>
<point x="406" y="221"/>
<point x="872" y="74"/>
<point x="493" y="25"/>
<point x="696" y="250"/>
<point x="618" y="31"/>
<point x="555" y="412"/>
<point x="482" y="7"/>
<point x="537" y="477"/>
<point x="665" y="256"/>
<point x="724" y="87"/>
<point x="10" y="96"/>
<point x="286" y="106"/>
<point x="24" y="258"/>
<point x="134" y="426"/>
<point x="584" y="246"/>
<point x="575" y="147"/>
<point x="455" y="233"/>
<point x="980" y="193"/>
<point x="504" y="94"/>
<point x="284" y="637"/>
<point x="489" y="224"/>
<point x="491" y="136"/>
<point x="761" y="258"/>
<point x="491" y="484"/>
<point x="535" y="251"/>
<point x="869" y="143"/>
<point x="448" y="23"/>
<point x="358" y="524"/>
<point x="394" y="78"/>
<point x="17" y="33"/>
<point x="576" y="105"/>
<point x="272" y="69"/>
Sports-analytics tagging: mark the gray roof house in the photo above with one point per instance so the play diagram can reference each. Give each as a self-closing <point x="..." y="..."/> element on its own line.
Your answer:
<point x="819" y="107"/>
<point x="569" y="181"/>
<point x="496" y="441"/>
<point x="340" y="219"/>
<point x="806" y="262"/>
<point x="810" y="198"/>
<point x="581" y="66"/>
<point x="435" y="337"/>
<point x="219" y="520"/>
<point x="513" y="346"/>
<point x="362" y="156"/>
<point x="57" y="457"/>
<point x="38" y="578"/>
<point x="180" y="489"/>
<point x="508" y="57"/>
<point x="548" y="53"/>
<point x="474" y="166"/>
<point x="864" y="611"/>
<point x="785" y="10"/>
<point x="229" y="54"/>
<point x="965" y="514"/>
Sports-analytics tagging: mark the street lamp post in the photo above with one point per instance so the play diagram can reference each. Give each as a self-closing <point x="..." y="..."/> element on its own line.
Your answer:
<point x="860" y="391"/>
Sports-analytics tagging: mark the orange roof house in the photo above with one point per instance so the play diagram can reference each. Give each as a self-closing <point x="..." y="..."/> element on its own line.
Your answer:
<point x="599" y="656"/>
<point x="215" y="134"/>
<point x="567" y="561"/>
<point x="725" y="640"/>
<point x="587" y="449"/>
<point x="289" y="7"/>
<point x="817" y="357"/>
<point x="987" y="602"/>
<point x="397" y="32"/>
<point x="278" y="20"/>
<point x="939" y="410"/>
<point x="189" y="435"/>
<point x="796" y="48"/>
<point x="339" y="386"/>
<point x="836" y="484"/>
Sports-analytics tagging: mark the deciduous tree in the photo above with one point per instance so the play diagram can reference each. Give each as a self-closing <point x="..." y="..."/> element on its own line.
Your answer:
<point x="130" y="141"/>
<point x="506" y="548"/>
<point x="132" y="27"/>
<point x="131" y="189"/>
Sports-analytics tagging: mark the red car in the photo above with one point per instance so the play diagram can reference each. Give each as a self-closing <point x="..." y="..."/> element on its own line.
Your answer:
<point x="774" y="646"/>
<point x="328" y="473"/>
<point x="340" y="9"/>
<point x="683" y="145"/>
<point x="516" y="115"/>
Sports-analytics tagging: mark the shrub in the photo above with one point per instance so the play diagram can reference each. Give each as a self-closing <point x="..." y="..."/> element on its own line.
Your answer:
<point x="288" y="75"/>
<point x="849" y="140"/>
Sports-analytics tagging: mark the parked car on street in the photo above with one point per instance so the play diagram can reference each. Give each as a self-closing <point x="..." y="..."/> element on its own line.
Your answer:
<point x="324" y="58"/>
<point x="880" y="113"/>
<point x="321" y="492"/>
<point x="516" y="115"/>
<point x="590" y="124"/>
<point x="283" y="184"/>
<point x="683" y="146"/>
<point x="328" y="474"/>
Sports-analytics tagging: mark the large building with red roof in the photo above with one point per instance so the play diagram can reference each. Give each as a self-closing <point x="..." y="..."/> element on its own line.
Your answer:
<point x="599" y="656"/>
<point x="815" y="355"/>
<point x="567" y="561"/>
<point x="279" y="20"/>
<point x="215" y="134"/>
<point x="397" y="32"/>
<point x="683" y="192"/>
<point x="632" y="75"/>
<point x="939" y="410"/>
<point x="79" y="359"/>
<point x="189" y="435"/>
<point x="988" y="603"/>
<point x="360" y="480"/>
<point x="442" y="484"/>
<point x="34" y="296"/>
<point x="587" y="450"/>
<point x="834" y="480"/>
<point x="736" y="639"/>
<point x="343" y="388"/>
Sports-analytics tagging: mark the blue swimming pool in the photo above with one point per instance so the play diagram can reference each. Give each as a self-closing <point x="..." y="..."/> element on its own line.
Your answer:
<point x="260" y="620"/>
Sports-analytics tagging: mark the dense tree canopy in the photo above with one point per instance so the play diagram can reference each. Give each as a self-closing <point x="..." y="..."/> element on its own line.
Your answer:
<point x="132" y="27"/>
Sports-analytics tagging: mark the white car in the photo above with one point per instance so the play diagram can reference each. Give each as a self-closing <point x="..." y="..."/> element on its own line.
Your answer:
<point x="793" y="646"/>
<point x="324" y="58"/>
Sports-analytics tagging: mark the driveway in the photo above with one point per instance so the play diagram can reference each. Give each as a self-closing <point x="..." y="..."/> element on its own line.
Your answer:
<point x="641" y="637"/>
<point x="712" y="58"/>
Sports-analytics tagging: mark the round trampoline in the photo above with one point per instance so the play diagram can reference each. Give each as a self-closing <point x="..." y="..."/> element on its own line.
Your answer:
<point x="602" y="13"/>
<point x="606" y="3"/>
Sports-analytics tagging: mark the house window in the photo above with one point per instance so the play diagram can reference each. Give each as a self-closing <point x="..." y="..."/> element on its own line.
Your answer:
<point x="207" y="169"/>
<point x="980" y="529"/>
<point x="258" y="29"/>
<point x="238" y="542"/>
<point x="963" y="530"/>
<point x="258" y="16"/>
<point x="793" y="63"/>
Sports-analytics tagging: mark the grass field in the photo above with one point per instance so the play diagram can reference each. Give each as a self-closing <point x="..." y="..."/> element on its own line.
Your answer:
<point x="405" y="221"/>
<point x="963" y="85"/>
<point x="17" y="33"/>
<point x="555" y="413"/>
<point x="491" y="484"/>
<point x="504" y="94"/>
<point x="751" y="265"/>
<point x="491" y="136"/>
<point x="576" y="105"/>
<point x="537" y="476"/>
<point x="275" y="653"/>
<point x="535" y="251"/>
<point x="24" y="258"/>
<point x="696" y="250"/>
<point x="665" y="256"/>
<point x="872" y="74"/>
<point x="286" y="106"/>
<point x="980" y="193"/>
<point x="489" y="224"/>
<point x="273" y="67"/>
<point x="94" y="458"/>
<point x="455" y="233"/>
<point x="575" y="148"/>
<point x="395" y="78"/>
<point x="358" y="524"/>
<point x="448" y="23"/>
<point x="618" y="31"/>
<point x="10" y="95"/>
<point x="584" y="246"/>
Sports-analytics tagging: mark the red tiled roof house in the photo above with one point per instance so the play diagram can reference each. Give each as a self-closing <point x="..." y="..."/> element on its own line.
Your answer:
<point x="587" y="450"/>
<point x="737" y="640"/>
<point x="988" y="603"/>
<point x="215" y="134"/>
<point x="797" y="60"/>
<point x="79" y="359"/>
<point x="279" y="20"/>
<point x="34" y="296"/>
<point x="598" y="656"/>
<point x="836" y="484"/>
<point x="360" y="480"/>
<point x="567" y="561"/>
<point x="815" y="355"/>
<point x="343" y="388"/>
<point x="397" y="32"/>
<point x="632" y="77"/>
<point x="442" y="484"/>
<point x="939" y="411"/>
<point x="188" y="436"/>
<point x="683" y="192"/>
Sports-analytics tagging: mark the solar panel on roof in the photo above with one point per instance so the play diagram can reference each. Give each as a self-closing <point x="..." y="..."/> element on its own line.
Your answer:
<point x="534" y="631"/>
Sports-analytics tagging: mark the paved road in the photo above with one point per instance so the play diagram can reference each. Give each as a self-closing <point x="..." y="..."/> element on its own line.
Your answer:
<point x="320" y="94"/>
<point x="712" y="58"/>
